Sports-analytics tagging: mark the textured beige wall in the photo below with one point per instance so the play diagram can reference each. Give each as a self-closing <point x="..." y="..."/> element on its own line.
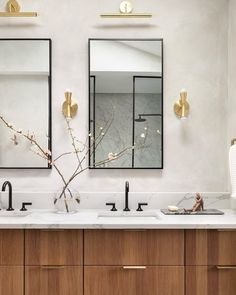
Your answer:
<point x="195" y="36"/>
<point x="232" y="70"/>
<point x="232" y="73"/>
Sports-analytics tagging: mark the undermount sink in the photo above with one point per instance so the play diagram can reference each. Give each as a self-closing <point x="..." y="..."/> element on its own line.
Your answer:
<point x="16" y="213"/>
<point x="132" y="214"/>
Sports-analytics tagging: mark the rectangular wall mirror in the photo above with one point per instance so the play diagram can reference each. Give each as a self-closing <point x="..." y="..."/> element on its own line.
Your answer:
<point x="126" y="103"/>
<point x="25" y="100"/>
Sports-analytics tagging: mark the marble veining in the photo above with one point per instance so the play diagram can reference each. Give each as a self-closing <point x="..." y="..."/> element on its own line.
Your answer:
<point x="119" y="135"/>
<point x="93" y="204"/>
<point x="97" y="201"/>
<point x="88" y="219"/>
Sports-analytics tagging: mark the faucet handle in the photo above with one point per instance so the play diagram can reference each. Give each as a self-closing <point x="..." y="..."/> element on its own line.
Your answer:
<point x="113" y="206"/>
<point x="140" y="206"/>
<point x="23" y="206"/>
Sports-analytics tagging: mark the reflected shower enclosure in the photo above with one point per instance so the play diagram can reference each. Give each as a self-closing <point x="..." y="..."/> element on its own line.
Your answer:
<point x="126" y="103"/>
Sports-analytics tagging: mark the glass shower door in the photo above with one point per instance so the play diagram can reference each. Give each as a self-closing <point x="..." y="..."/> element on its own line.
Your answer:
<point x="147" y="122"/>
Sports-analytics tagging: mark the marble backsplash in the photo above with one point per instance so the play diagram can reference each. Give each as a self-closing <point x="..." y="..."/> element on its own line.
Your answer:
<point x="155" y="200"/>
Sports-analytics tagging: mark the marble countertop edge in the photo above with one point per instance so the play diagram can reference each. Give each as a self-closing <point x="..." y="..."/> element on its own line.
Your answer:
<point x="88" y="219"/>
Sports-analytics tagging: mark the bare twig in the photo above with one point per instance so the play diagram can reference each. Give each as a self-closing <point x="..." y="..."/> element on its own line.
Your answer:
<point x="73" y="142"/>
<point x="86" y="149"/>
<point x="45" y="154"/>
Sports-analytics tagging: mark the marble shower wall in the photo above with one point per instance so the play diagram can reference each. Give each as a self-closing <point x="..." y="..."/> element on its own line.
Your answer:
<point x="119" y="135"/>
<point x="195" y="34"/>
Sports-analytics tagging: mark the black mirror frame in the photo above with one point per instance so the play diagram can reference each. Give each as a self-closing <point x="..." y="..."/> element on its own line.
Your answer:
<point x="49" y="101"/>
<point x="89" y="117"/>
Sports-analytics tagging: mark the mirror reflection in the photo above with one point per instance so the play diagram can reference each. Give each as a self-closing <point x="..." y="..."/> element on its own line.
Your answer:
<point x="126" y="94"/>
<point x="25" y="94"/>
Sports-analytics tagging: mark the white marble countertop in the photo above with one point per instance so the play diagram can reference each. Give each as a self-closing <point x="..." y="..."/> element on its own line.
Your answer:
<point x="89" y="219"/>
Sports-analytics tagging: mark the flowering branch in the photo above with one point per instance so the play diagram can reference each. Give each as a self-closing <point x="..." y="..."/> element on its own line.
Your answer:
<point x="80" y="153"/>
<point x="45" y="154"/>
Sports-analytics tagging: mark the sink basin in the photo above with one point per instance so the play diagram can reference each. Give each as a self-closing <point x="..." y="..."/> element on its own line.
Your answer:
<point x="130" y="215"/>
<point x="16" y="213"/>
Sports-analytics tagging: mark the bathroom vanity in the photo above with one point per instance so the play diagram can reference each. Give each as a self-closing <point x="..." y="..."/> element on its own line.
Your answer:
<point x="82" y="256"/>
<point x="150" y="98"/>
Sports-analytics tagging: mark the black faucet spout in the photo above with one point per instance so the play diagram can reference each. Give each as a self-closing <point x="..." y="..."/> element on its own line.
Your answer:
<point x="4" y="186"/>
<point x="126" y="197"/>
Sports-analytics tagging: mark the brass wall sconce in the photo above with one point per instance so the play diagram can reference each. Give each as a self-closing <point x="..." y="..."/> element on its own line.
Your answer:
<point x="181" y="107"/>
<point x="126" y="11"/>
<point x="69" y="108"/>
<point x="233" y="141"/>
<point x="13" y="9"/>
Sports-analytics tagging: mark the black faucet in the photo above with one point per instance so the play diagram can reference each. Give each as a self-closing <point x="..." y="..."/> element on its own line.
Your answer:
<point x="5" y="184"/>
<point x="126" y="196"/>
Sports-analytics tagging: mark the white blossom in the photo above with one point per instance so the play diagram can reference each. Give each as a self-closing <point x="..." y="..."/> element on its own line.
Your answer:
<point x="112" y="156"/>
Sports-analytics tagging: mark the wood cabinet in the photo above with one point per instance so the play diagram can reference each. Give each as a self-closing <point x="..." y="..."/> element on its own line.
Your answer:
<point x="49" y="280"/>
<point x="54" y="247"/>
<point x="11" y="247"/>
<point x="210" y="280"/>
<point x="11" y="280"/>
<point x="54" y="260"/>
<point x="134" y="247"/>
<point x="11" y="262"/>
<point x="210" y="247"/>
<point x="133" y="262"/>
<point x="117" y="262"/>
<point x="210" y="262"/>
<point x="153" y="280"/>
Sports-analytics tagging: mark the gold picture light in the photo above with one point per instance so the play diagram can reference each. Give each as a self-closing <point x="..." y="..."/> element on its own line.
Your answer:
<point x="181" y="107"/>
<point x="69" y="108"/>
<point x="126" y="11"/>
<point x="13" y="9"/>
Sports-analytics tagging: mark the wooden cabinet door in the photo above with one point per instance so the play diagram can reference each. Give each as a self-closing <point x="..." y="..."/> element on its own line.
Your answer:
<point x="54" y="247"/>
<point x="53" y="280"/>
<point x="210" y="247"/>
<point x="11" y="247"/>
<point x="109" y="280"/>
<point x="133" y="247"/>
<point x="11" y="280"/>
<point x="210" y="280"/>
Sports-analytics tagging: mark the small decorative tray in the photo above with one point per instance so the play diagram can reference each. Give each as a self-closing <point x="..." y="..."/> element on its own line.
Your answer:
<point x="182" y="212"/>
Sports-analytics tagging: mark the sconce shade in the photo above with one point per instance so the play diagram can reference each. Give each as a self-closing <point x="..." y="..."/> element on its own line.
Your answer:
<point x="13" y="9"/>
<point x="69" y="109"/>
<point x="182" y="107"/>
<point x="126" y="11"/>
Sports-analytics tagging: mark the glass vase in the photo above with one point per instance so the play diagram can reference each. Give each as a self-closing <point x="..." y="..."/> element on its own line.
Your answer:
<point x="66" y="201"/>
